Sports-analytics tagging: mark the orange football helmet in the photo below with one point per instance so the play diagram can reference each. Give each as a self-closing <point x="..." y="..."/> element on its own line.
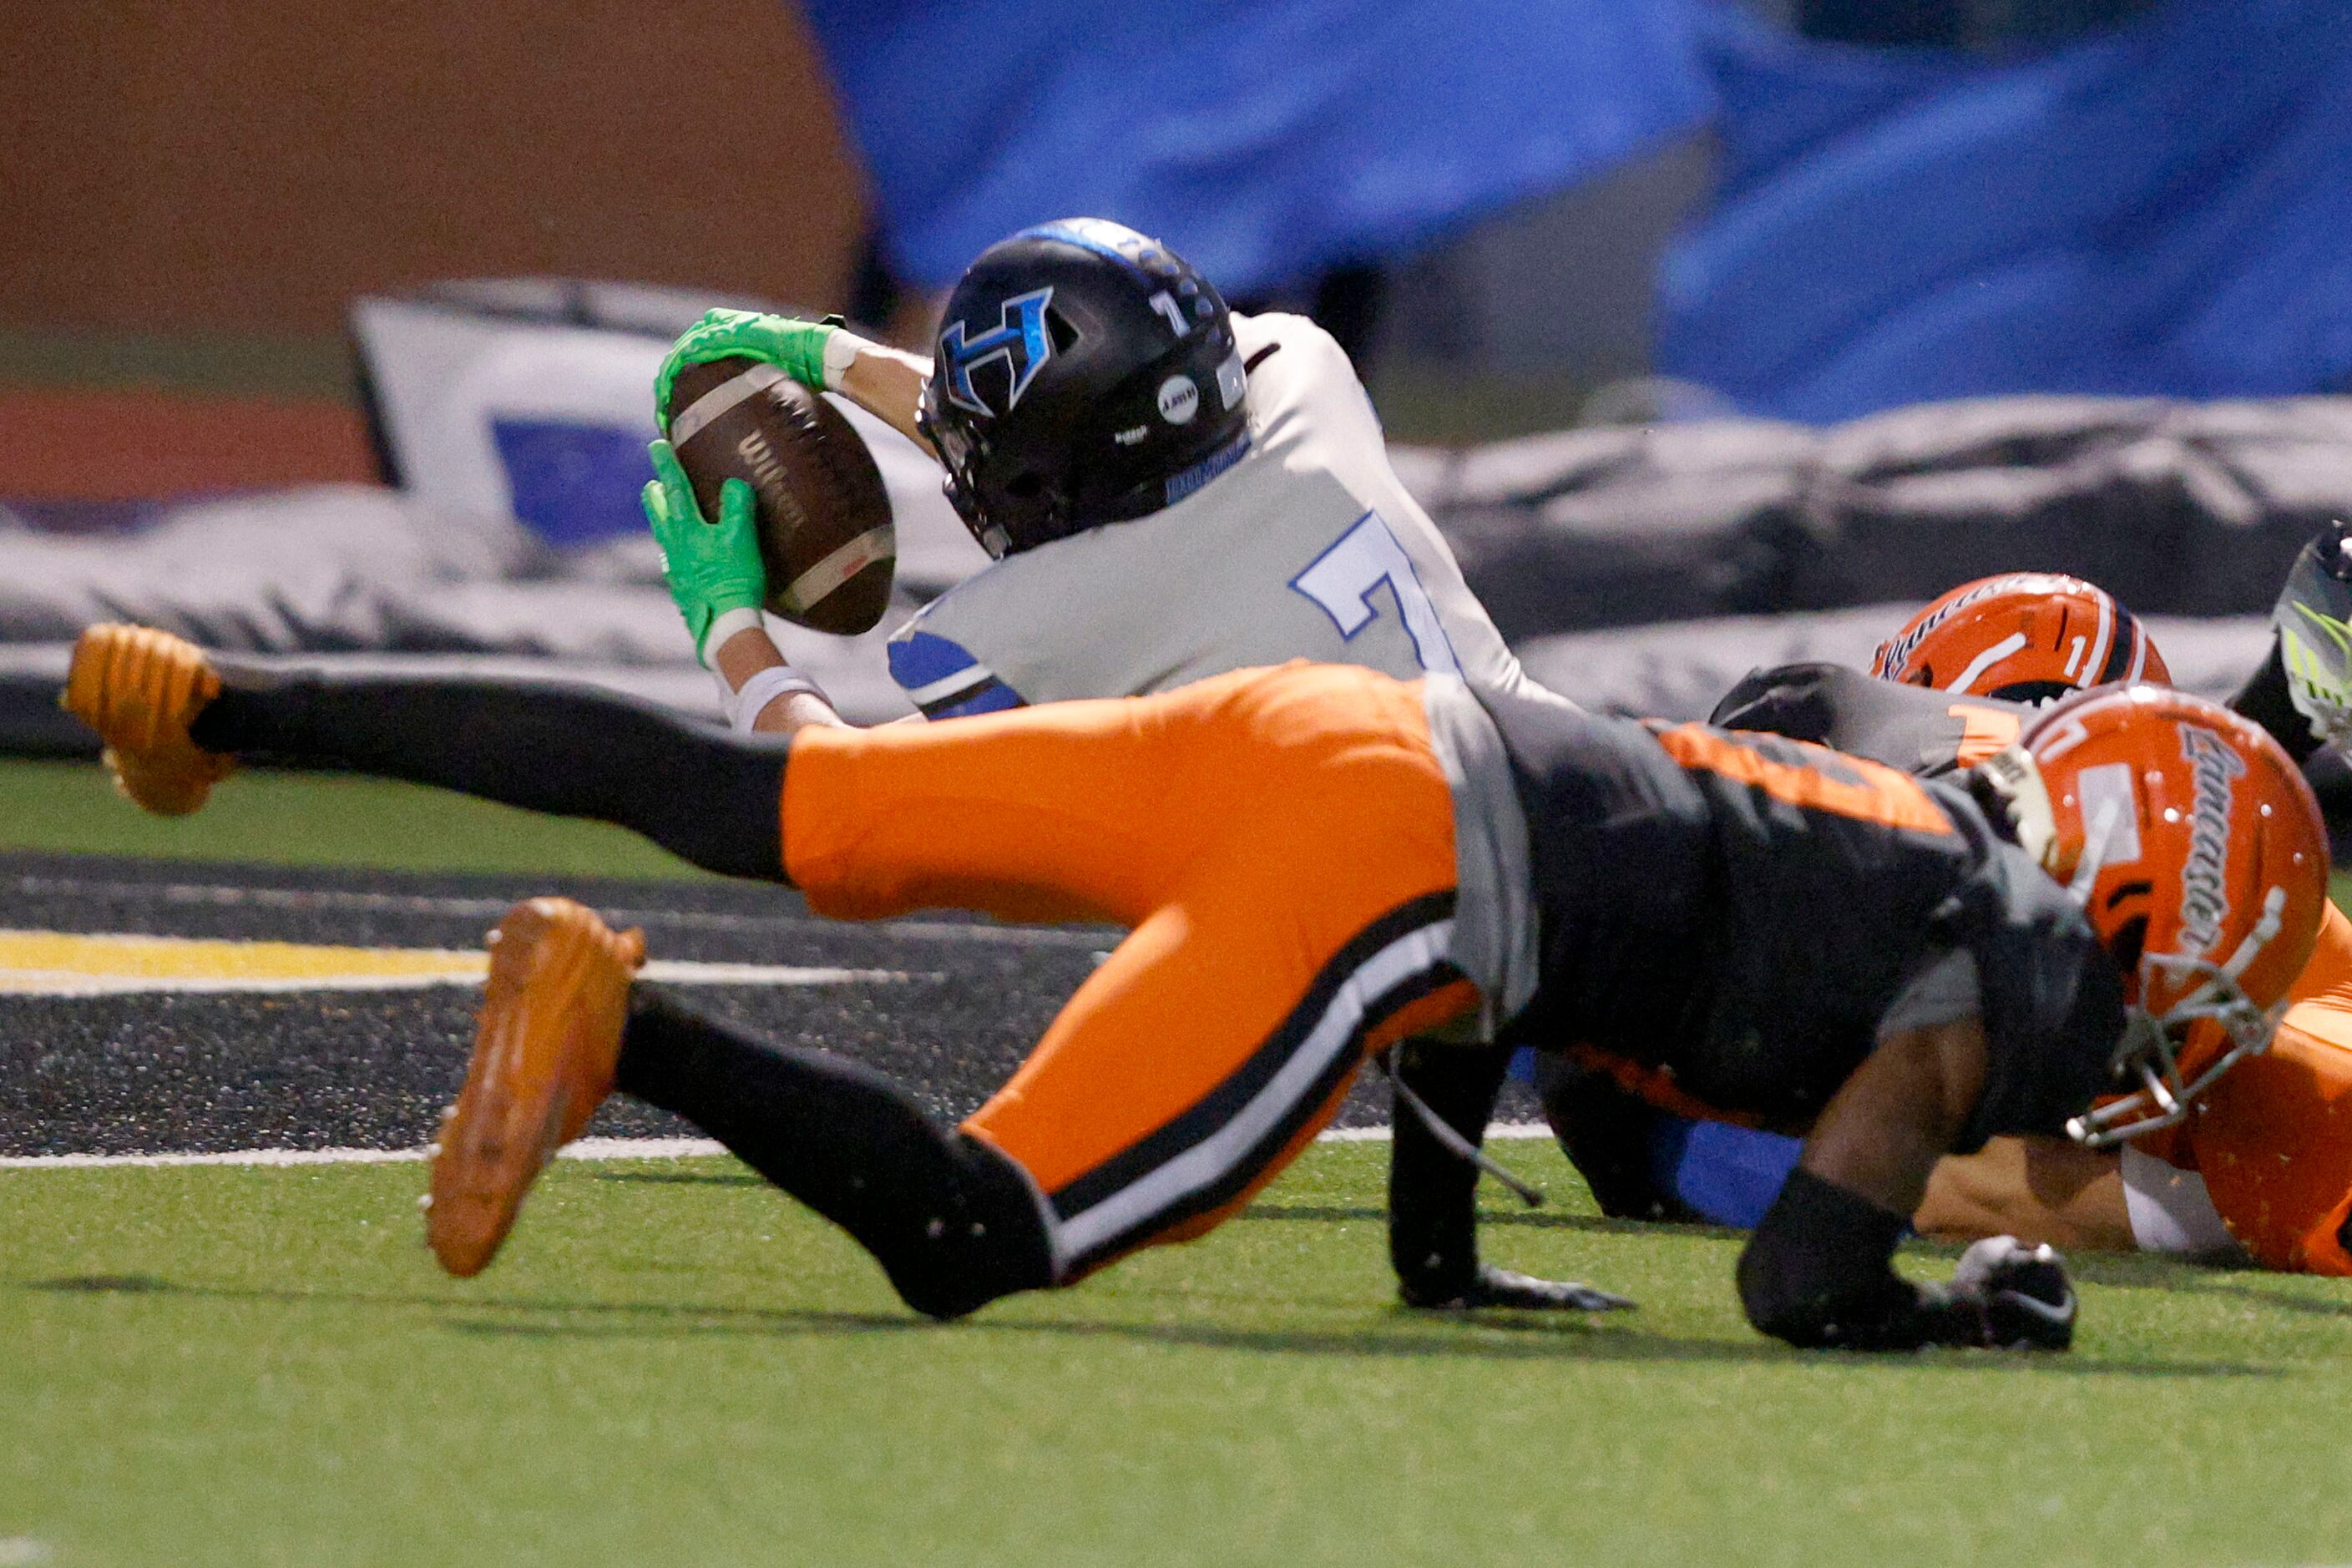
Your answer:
<point x="2026" y="636"/>
<point x="2197" y="850"/>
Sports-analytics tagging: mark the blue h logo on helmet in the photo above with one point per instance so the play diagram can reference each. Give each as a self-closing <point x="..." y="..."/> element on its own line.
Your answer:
<point x="1019" y="338"/>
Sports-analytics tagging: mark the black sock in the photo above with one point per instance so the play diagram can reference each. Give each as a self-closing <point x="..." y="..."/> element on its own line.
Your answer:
<point x="697" y="790"/>
<point x="953" y="1223"/>
<point x="1432" y="1191"/>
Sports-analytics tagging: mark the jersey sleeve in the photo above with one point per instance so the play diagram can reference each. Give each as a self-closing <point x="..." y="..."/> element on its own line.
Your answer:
<point x="1789" y="700"/>
<point x="1914" y="728"/>
<point x="944" y="678"/>
<point x="2274" y="1138"/>
<point x="2052" y="1000"/>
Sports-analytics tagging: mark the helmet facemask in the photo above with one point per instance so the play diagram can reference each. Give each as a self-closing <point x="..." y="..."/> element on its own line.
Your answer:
<point x="2175" y="1056"/>
<point x="957" y="453"/>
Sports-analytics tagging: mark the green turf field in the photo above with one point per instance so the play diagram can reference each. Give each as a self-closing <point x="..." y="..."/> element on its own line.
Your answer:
<point x="675" y="1366"/>
<point x="313" y="819"/>
<point x="672" y="1364"/>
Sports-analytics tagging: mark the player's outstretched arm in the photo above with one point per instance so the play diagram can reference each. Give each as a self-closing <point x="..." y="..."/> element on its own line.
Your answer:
<point x="824" y="356"/>
<point x="1818" y="1271"/>
<point x="1433" y="1191"/>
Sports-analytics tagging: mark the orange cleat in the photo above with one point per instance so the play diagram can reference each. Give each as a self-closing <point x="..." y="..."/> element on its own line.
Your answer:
<point x="141" y="688"/>
<point x="543" y="1059"/>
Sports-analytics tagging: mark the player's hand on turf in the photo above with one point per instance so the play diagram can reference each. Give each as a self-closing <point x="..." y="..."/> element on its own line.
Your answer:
<point x="2020" y="1295"/>
<point x="792" y="345"/>
<point x="710" y="567"/>
<point x="1496" y="1287"/>
<point x="2313" y="620"/>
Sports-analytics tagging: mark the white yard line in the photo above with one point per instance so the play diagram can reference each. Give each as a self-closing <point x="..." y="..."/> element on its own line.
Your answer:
<point x="1381" y="1134"/>
<point x="585" y="1148"/>
<point x="490" y="910"/>
<point x="693" y="972"/>
<point x="70" y="984"/>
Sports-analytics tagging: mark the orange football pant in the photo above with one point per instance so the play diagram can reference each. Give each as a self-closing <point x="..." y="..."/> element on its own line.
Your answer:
<point x="1279" y="844"/>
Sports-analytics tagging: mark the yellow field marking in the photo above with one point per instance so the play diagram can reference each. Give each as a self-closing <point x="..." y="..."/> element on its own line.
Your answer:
<point x="63" y="963"/>
<point x="44" y="962"/>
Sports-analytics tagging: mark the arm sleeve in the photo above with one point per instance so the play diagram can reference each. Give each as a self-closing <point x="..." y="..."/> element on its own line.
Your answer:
<point x="1819" y="1273"/>
<point x="1940" y="991"/>
<point x="1787" y="701"/>
<point x="1433" y="1191"/>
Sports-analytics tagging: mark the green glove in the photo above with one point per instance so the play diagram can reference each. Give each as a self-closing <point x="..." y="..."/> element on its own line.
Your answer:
<point x="711" y="568"/>
<point x="795" y="347"/>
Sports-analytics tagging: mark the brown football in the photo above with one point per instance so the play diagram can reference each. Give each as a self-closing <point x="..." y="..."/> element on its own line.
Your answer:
<point x="825" y="527"/>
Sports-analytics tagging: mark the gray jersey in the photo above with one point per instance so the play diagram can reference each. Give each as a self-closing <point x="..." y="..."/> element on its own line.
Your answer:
<point x="1307" y="547"/>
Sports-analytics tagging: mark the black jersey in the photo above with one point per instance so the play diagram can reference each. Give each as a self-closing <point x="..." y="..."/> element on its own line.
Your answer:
<point x="1736" y="913"/>
<point x="1915" y="728"/>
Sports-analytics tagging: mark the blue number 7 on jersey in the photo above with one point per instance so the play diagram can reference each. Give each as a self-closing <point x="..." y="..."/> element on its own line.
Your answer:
<point x="1343" y="579"/>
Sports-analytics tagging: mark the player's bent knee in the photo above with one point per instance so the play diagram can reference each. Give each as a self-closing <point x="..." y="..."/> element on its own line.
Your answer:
<point x="987" y="1239"/>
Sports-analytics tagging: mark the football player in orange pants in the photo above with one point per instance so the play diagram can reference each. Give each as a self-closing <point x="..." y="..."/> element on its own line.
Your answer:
<point x="1313" y="861"/>
<point x="2263" y="1170"/>
<point x="1279" y="844"/>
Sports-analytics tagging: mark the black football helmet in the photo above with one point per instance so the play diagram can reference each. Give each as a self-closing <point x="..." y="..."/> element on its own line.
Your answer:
<point x="1084" y="374"/>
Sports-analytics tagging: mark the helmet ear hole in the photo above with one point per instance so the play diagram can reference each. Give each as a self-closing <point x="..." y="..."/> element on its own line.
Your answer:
<point x="1058" y="328"/>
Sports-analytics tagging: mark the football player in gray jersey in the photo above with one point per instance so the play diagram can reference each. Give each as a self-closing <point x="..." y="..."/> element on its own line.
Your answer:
<point x="1169" y="491"/>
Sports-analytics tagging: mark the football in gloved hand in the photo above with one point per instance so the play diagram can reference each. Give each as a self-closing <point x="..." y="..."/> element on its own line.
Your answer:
<point x="824" y="523"/>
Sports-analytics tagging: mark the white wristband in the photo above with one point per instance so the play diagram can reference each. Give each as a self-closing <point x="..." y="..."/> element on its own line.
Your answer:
<point x="744" y="707"/>
<point x="840" y="351"/>
<point x="725" y="626"/>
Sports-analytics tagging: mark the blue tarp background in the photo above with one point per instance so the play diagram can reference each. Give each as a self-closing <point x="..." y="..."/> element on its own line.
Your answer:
<point x="1262" y="138"/>
<point x="2162" y="209"/>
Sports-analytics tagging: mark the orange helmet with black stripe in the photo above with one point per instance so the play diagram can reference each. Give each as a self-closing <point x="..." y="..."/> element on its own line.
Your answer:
<point x="2197" y="850"/>
<point x="2025" y="637"/>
